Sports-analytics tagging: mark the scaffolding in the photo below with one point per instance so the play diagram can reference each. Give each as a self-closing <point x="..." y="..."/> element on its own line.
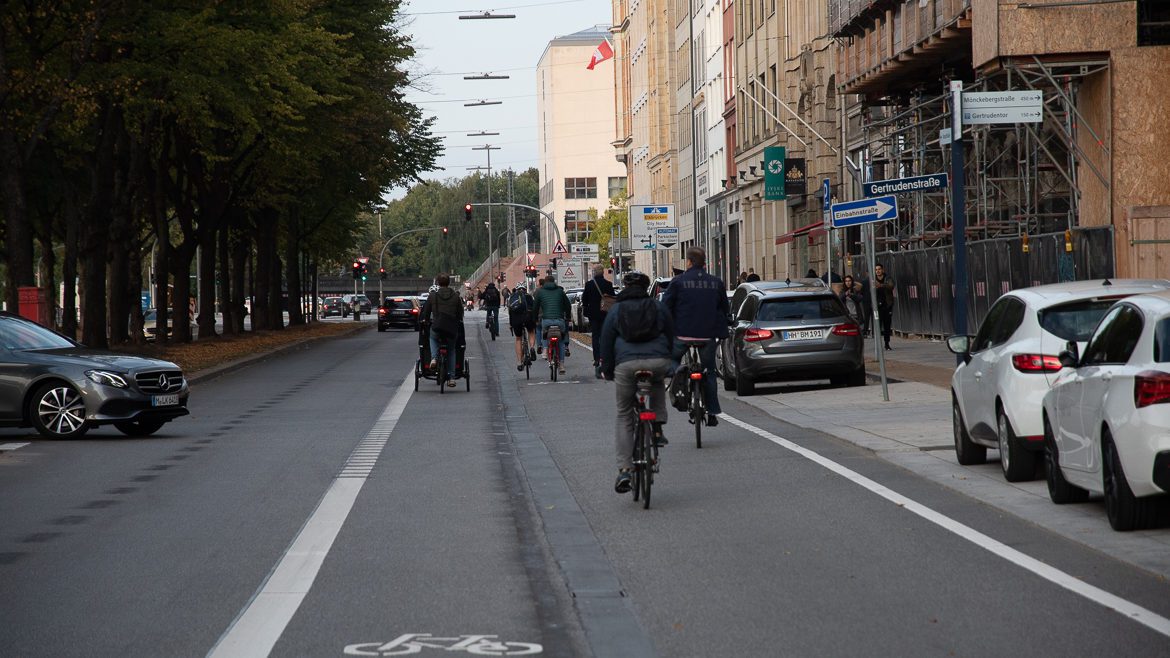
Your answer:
<point x="1022" y="178"/>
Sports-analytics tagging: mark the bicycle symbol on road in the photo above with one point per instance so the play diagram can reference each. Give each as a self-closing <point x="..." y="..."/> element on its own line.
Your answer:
<point x="479" y="645"/>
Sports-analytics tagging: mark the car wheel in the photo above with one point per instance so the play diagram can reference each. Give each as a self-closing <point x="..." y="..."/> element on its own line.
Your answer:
<point x="139" y="427"/>
<point x="381" y="328"/>
<point x="1125" y="511"/>
<point x="728" y="383"/>
<point x="967" y="452"/>
<point x="58" y="412"/>
<point x="1059" y="489"/>
<point x="744" y="386"/>
<point x="857" y="377"/>
<point x="1017" y="462"/>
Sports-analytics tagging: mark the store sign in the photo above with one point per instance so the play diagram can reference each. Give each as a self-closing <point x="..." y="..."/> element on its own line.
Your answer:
<point x="774" y="173"/>
<point x="795" y="177"/>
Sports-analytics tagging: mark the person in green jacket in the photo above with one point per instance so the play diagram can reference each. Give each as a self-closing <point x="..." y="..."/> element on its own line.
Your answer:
<point x="552" y="307"/>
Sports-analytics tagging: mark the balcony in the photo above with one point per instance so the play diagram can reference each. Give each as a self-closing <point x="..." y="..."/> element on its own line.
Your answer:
<point x="890" y="43"/>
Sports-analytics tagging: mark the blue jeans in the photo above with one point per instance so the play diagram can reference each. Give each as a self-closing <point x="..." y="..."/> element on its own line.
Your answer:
<point x="707" y="357"/>
<point x="450" y="342"/>
<point x="493" y="317"/>
<point x="545" y="324"/>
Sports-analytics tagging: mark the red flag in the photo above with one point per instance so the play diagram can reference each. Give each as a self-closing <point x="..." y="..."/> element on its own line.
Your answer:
<point x="602" y="53"/>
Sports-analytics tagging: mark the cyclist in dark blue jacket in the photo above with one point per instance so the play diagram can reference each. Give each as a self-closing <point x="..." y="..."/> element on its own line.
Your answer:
<point x="698" y="303"/>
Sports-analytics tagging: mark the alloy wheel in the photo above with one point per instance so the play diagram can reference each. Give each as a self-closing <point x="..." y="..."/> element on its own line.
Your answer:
<point x="61" y="410"/>
<point x="1004" y="450"/>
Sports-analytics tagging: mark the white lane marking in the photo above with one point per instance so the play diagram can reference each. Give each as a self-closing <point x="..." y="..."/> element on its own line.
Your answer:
<point x="1135" y="612"/>
<point x="262" y="621"/>
<point x="5" y="447"/>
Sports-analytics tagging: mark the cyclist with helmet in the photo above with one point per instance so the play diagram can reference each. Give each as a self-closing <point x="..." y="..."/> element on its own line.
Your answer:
<point x="699" y="302"/>
<point x="522" y="322"/>
<point x="444" y="312"/>
<point x="638" y="334"/>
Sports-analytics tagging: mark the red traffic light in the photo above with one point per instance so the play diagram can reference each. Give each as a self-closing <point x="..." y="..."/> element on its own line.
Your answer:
<point x="444" y="230"/>
<point x="467" y="212"/>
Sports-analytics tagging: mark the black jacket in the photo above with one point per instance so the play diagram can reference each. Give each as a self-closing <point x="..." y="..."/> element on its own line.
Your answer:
<point x="591" y="297"/>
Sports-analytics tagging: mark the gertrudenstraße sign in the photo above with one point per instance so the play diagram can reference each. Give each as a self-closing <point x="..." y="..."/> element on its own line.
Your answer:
<point x="906" y="185"/>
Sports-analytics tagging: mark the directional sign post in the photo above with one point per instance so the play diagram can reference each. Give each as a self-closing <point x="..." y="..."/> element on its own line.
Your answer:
<point x="1002" y="107"/>
<point x="667" y="237"/>
<point x="586" y="248"/>
<point x="865" y="211"/>
<point x="645" y="222"/>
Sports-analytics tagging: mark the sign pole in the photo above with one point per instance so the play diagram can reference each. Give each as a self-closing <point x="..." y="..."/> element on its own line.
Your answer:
<point x="959" y="212"/>
<point x="881" y="352"/>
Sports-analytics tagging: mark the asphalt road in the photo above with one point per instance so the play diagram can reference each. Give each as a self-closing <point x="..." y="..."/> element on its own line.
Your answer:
<point x="315" y="503"/>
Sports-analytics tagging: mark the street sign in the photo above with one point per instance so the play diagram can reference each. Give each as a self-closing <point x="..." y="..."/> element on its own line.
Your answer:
<point x="363" y="259"/>
<point x="945" y="137"/>
<point x="584" y="248"/>
<point x="572" y="275"/>
<point x="827" y="192"/>
<point x="666" y="237"/>
<point x="560" y="248"/>
<point x="645" y="222"/>
<point x="1002" y="107"/>
<point x="905" y="185"/>
<point x="875" y="209"/>
<point x="531" y="257"/>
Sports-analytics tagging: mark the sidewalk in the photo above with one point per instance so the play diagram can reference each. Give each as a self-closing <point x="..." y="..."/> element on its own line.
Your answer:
<point x="913" y="359"/>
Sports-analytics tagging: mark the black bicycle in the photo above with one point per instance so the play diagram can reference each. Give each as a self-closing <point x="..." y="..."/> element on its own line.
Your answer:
<point x="529" y="355"/>
<point x="645" y="450"/>
<point x="696" y="406"/>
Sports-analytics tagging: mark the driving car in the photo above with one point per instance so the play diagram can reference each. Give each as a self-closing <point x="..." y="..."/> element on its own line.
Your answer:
<point x="1006" y="368"/>
<point x="150" y="325"/>
<point x="577" y="319"/>
<point x="1106" y="418"/>
<point x="364" y="303"/>
<point x="398" y="312"/>
<point x="784" y="331"/>
<point x="332" y="307"/>
<point x="63" y="389"/>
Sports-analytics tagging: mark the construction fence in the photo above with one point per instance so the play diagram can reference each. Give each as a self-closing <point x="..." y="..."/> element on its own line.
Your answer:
<point x="924" y="290"/>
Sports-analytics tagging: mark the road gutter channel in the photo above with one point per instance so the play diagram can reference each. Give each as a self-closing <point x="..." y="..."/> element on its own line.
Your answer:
<point x="606" y="615"/>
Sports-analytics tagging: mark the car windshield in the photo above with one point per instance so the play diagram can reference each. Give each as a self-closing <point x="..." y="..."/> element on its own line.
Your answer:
<point x="800" y="308"/>
<point x="18" y="334"/>
<point x="1074" y="320"/>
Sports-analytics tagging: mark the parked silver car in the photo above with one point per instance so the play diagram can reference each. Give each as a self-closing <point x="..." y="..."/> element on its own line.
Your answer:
<point x="790" y="331"/>
<point x="63" y="388"/>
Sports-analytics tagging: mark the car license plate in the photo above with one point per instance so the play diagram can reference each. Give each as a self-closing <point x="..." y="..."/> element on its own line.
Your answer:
<point x="804" y="334"/>
<point x="165" y="400"/>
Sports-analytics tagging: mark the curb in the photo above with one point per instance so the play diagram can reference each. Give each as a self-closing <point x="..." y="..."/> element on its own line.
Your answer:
<point x="208" y="374"/>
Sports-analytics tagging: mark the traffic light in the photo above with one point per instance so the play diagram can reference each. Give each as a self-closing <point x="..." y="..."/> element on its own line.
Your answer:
<point x="467" y="212"/>
<point x="357" y="270"/>
<point x="444" y="231"/>
<point x="613" y="261"/>
<point x="363" y="271"/>
<point x="553" y="263"/>
<point x="382" y="273"/>
<point x="530" y="271"/>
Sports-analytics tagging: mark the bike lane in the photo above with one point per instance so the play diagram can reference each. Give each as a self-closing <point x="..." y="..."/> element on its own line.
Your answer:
<point x="754" y="549"/>
<point x="440" y="550"/>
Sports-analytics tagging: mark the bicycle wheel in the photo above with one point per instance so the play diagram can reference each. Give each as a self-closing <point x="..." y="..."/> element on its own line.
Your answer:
<point x="637" y="471"/>
<point x="648" y="459"/>
<point x="697" y="415"/>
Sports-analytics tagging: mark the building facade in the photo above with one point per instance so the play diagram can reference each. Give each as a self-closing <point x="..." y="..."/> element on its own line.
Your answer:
<point x="578" y="173"/>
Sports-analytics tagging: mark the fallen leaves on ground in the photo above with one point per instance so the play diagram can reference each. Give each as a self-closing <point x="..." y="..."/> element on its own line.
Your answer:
<point x="203" y="354"/>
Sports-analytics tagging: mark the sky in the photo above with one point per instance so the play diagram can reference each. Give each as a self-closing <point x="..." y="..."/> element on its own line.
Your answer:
<point x="449" y="48"/>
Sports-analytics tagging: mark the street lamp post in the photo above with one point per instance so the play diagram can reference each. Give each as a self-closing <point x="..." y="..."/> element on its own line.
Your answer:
<point x="381" y="254"/>
<point x="488" y="148"/>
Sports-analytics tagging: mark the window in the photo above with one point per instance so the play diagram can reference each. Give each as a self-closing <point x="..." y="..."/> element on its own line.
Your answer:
<point x="1074" y="320"/>
<point x="19" y="334"/>
<point x="1153" y="22"/>
<point x="1162" y="341"/>
<point x="578" y="225"/>
<point x="580" y="188"/>
<point x="1115" y="338"/>
<point x="617" y="186"/>
<point x="809" y="308"/>
<point x="984" y="339"/>
<point x="1013" y="317"/>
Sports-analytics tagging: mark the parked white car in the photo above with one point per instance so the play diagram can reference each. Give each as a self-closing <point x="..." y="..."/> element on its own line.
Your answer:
<point x="1107" y="417"/>
<point x="998" y="390"/>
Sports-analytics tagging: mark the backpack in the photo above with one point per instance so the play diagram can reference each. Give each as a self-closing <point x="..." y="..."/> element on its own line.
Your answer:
<point x="517" y="303"/>
<point x="637" y="320"/>
<point x="491" y="297"/>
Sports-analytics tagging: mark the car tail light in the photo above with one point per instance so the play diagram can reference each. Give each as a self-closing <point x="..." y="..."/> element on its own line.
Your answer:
<point x="756" y="335"/>
<point x="381" y="311"/>
<point x="647" y="415"/>
<point x="847" y="329"/>
<point x="1036" y="363"/>
<point x="1151" y="387"/>
<point x="696" y="375"/>
<point x="414" y="311"/>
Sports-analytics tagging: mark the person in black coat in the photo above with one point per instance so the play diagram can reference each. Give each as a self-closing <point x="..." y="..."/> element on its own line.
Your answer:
<point x="597" y="288"/>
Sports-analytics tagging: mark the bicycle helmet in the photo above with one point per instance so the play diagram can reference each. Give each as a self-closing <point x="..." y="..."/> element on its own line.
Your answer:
<point x="635" y="278"/>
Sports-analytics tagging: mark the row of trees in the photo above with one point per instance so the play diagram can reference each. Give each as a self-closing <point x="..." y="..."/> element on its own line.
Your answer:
<point x="248" y="135"/>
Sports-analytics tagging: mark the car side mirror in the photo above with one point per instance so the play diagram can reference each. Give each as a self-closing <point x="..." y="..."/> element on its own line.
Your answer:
<point x="960" y="345"/>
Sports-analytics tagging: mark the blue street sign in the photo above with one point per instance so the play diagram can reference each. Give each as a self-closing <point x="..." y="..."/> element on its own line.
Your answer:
<point x="828" y="190"/>
<point x="852" y="213"/>
<point x="905" y="185"/>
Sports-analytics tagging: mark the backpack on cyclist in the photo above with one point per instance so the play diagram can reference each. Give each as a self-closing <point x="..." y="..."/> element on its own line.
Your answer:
<point x="491" y="297"/>
<point x="637" y="320"/>
<point x="517" y="303"/>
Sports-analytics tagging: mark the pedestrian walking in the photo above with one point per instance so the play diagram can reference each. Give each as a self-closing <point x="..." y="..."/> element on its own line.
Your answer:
<point x="884" y="287"/>
<point x="852" y="299"/>
<point x="597" y="299"/>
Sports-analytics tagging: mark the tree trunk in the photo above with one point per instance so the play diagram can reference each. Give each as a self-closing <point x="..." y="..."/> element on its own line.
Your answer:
<point x="18" y="241"/>
<point x="181" y="257"/>
<point x="261" y="317"/>
<point x="118" y="276"/>
<point x="95" y="239"/>
<point x="206" y="317"/>
<point x="239" y="253"/>
<point x="227" y="303"/>
<point x="134" y="286"/>
<point x="69" y="269"/>
<point x="48" y="267"/>
<point x="275" y="296"/>
<point x="292" y="269"/>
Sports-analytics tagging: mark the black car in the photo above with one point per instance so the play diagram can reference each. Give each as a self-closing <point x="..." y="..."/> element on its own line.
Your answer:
<point x="332" y="306"/>
<point x="398" y="312"/>
<point x="63" y="388"/>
